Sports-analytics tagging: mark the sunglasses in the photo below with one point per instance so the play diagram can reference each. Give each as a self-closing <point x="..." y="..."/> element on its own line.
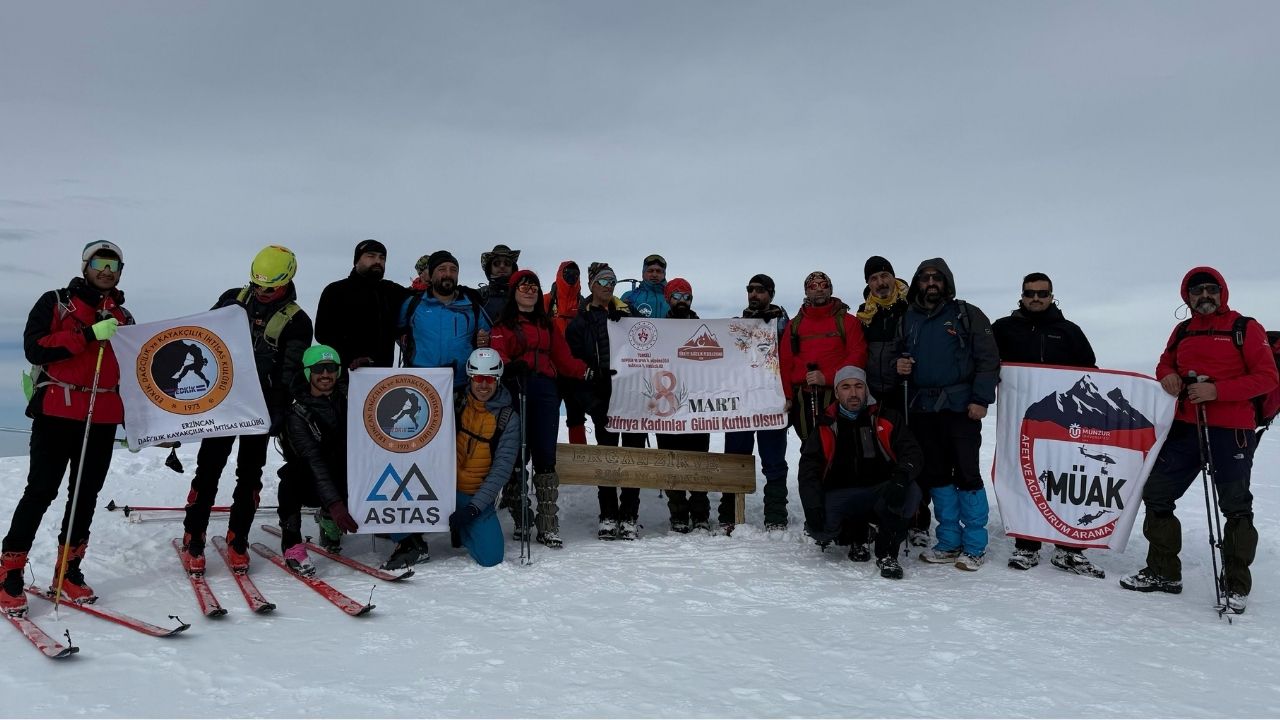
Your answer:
<point x="931" y="277"/>
<point x="1028" y="294"/>
<point x="325" y="368"/>
<point x="527" y="288"/>
<point x="682" y="296"/>
<point x="1204" y="289"/>
<point x="101" y="263"/>
<point x="818" y="285"/>
<point x="484" y="379"/>
<point x="606" y="282"/>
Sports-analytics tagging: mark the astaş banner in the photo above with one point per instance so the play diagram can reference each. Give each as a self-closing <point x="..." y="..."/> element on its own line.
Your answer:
<point x="1074" y="448"/>
<point x="190" y="377"/>
<point x="695" y="376"/>
<point x="401" y="461"/>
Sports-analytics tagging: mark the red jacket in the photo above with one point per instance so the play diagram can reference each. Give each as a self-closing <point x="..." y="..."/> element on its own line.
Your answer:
<point x="563" y="301"/>
<point x="542" y="347"/>
<point x="58" y="338"/>
<point x="820" y="343"/>
<point x="1239" y="373"/>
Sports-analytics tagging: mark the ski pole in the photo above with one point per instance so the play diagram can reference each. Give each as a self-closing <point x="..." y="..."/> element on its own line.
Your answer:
<point x="813" y="396"/>
<point x="526" y="548"/>
<point x="1207" y="478"/>
<point x="906" y="393"/>
<point x="65" y="549"/>
<point x="112" y="507"/>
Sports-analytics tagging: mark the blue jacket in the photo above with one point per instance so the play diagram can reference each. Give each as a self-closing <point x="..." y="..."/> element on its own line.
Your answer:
<point x="444" y="335"/>
<point x="957" y="361"/>
<point x="648" y="299"/>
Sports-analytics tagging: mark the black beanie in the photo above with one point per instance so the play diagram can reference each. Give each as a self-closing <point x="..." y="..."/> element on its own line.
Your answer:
<point x="437" y="259"/>
<point x="766" y="281"/>
<point x="365" y="246"/>
<point x="876" y="264"/>
<point x="1200" y="278"/>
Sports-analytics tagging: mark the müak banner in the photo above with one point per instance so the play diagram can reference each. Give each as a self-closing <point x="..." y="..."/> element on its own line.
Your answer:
<point x="189" y="378"/>
<point x="1074" y="448"/>
<point x="693" y="376"/>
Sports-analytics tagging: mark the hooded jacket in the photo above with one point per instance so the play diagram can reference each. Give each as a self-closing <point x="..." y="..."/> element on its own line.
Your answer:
<point x="1239" y="373"/>
<point x="539" y="346"/>
<point x="359" y="317"/>
<point x="648" y="299"/>
<point x="1043" y="338"/>
<point x="444" y="335"/>
<point x="564" y="299"/>
<point x="821" y="343"/>
<point x="957" y="360"/>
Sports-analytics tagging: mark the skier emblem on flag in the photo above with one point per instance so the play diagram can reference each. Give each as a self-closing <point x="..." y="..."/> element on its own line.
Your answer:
<point x="403" y="413"/>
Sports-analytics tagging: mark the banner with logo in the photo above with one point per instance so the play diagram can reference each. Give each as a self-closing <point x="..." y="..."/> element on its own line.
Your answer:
<point x="694" y="376"/>
<point x="189" y="378"/>
<point x="401" y="458"/>
<point x="1073" y="449"/>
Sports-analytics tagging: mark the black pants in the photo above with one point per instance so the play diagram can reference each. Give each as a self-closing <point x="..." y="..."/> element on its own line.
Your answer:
<point x="55" y="448"/>
<point x="210" y="461"/>
<point x="617" y="503"/>
<point x="297" y="490"/>
<point x="695" y="505"/>
<point x="850" y="510"/>
<point x="574" y="413"/>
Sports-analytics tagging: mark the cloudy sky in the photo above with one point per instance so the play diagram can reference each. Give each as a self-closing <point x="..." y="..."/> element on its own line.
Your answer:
<point x="1110" y="144"/>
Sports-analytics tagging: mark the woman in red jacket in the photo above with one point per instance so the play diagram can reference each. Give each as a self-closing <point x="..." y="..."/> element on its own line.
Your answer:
<point x="534" y="353"/>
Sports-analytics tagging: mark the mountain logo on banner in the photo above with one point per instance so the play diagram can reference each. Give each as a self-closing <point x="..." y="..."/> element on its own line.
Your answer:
<point x="185" y="370"/>
<point x="402" y="413"/>
<point x="1080" y="447"/>
<point x="702" y="345"/>
<point x="377" y="494"/>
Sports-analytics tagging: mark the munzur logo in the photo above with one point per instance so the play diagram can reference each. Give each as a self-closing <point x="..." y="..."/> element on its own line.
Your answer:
<point x="403" y="413"/>
<point x="185" y="370"/>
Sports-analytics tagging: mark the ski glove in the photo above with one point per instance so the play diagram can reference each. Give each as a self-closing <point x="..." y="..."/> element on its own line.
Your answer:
<point x="338" y="511"/>
<point x="463" y="517"/>
<point x="104" y="329"/>
<point x="895" y="493"/>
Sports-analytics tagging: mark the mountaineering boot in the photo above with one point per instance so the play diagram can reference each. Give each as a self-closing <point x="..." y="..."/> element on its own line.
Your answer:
<point x="1146" y="580"/>
<point x="295" y="558"/>
<point x="551" y="539"/>
<point x="13" y="599"/>
<point x="941" y="557"/>
<point x="1235" y="604"/>
<point x="1074" y="561"/>
<point x="74" y="588"/>
<point x="703" y="524"/>
<point x="680" y="526"/>
<point x="1239" y="548"/>
<point x="889" y="567"/>
<point x="859" y="552"/>
<point x="918" y="538"/>
<point x="608" y="529"/>
<point x="629" y="529"/>
<point x="546" y="487"/>
<point x="409" y="552"/>
<point x="192" y="554"/>
<point x="969" y="562"/>
<point x="237" y="553"/>
<point x="1025" y="559"/>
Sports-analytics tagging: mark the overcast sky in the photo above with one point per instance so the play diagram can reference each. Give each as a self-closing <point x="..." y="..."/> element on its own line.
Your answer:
<point x="1110" y="144"/>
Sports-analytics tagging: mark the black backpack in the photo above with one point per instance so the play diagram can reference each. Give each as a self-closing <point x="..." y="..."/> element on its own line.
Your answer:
<point x="1265" y="406"/>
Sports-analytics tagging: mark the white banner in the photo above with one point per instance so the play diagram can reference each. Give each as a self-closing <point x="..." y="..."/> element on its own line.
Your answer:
<point x="190" y="377"/>
<point x="692" y="376"/>
<point x="1073" y="449"/>
<point x="401" y="457"/>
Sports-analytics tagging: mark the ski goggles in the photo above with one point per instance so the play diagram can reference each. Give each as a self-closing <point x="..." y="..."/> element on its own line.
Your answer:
<point x="108" y="264"/>
<point x="1028" y="294"/>
<point x="818" y="285"/>
<point x="528" y="287"/>
<point x="681" y="297"/>
<point x="1205" y="289"/>
<point x="325" y="368"/>
<point x="484" y="379"/>
<point x="606" y="281"/>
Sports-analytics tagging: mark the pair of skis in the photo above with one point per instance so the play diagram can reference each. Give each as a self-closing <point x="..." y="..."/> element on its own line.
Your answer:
<point x="54" y="649"/>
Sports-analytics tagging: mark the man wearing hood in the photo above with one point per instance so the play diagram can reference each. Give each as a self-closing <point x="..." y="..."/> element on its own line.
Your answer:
<point x="1230" y="352"/>
<point x="952" y="363"/>
<point x="649" y="299"/>
<point x="358" y="316"/>
<point x="562" y="303"/>
<point x="1038" y="334"/>
<point x="498" y="265"/>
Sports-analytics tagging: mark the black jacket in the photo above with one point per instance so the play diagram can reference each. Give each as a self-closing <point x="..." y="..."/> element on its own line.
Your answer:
<point x="315" y="436"/>
<point x="883" y="353"/>
<point x="588" y="338"/>
<point x="358" y="316"/>
<point x="1044" y="338"/>
<point x="279" y="365"/>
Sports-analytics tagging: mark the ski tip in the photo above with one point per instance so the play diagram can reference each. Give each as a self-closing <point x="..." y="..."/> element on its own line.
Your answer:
<point x="181" y="628"/>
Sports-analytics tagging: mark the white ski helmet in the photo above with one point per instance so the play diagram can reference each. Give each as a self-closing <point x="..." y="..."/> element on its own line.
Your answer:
<point x="484" y="361"/>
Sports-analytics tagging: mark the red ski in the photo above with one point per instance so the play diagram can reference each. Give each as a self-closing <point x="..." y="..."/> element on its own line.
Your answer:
<point x="128" y="621"/>
<point x="257" y="602"/>
<point x="209" y="604"/>
<point x="330" y="593"/>
<point x="43" y="642"/>
<point x="343" y="559"/>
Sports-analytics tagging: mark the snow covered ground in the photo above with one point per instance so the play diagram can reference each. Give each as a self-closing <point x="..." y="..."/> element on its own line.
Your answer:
<point x="670" y="625"/>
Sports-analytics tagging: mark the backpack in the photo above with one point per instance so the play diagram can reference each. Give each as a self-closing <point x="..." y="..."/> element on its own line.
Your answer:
<point x="37" y="377"/>
<point x="408" y="344"/>
<point x="839" y="316"/>
<point x="504" y="417"/>
<point x="962" y="315"/>
<point x="1266" y="406"/>
<point x="278" y="320"/>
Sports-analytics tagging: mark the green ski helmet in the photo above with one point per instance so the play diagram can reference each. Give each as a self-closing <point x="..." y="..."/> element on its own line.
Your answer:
<point x="317" y="354"/>
<point x="273" y="266"/>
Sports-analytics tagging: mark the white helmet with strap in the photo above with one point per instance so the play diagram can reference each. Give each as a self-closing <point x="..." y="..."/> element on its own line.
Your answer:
<point x="484" y="361"/>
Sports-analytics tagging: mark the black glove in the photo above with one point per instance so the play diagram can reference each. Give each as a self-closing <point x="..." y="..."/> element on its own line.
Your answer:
<point x="615" y="314"/>
<point x="895" y="493"/>
<point x="518" y="368"/>
<point x="463" y="517"/>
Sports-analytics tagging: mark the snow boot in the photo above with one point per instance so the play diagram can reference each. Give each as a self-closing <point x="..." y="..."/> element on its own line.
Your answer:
<point x="889" y="567"/>
<point x="237" y="553"/>
<point x="74" y="588"/>
<point x="1145" y="580"/>
<point x="703" y="524"/>
<point x="969" y="562"/>
<point x="546" y="486"/>
<point x="859" y="553"/>
<point x="918" y="538"/>
<point x="295" y="558"/>
<point x="629" y="529"/>
<point x="408" y="552"/>
<point x="551" y="539"/>
<point x="13" y="598"/>
<point x="680" y="526"/>
<point x="192" y="555"/>
<point x="1026" y="559"/>
<point x="1074" y="561"/>
<point x="727" y="528"/>
<point x="1235" y="604"/>
<point x="608" y="529"/>
<point x="940" y="557"/>
<point x="577" y="434"/>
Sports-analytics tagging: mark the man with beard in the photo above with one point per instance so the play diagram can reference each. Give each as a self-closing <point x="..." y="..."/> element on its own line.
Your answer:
<point x="773" y="443"/>
<point x="498" y="265"/>
<point x="444" y="324"/>
<point x="1229" y="355"/>
<point x="358" y="316"/>
<point x="1038" y="334"/>
<point x="947" y="350"/>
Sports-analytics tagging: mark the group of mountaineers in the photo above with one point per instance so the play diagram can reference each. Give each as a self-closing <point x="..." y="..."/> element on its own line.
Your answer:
<point x="886" y="400"/>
